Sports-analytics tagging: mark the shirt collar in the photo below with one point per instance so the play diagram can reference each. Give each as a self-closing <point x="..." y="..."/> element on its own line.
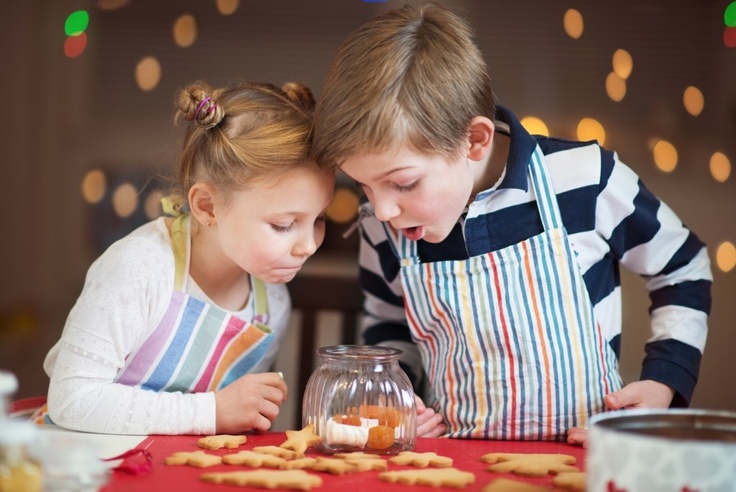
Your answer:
<point x="520" y="151"/>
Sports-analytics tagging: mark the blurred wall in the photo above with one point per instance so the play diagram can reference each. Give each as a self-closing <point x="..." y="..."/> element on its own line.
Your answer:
<point x="63" y="116"/>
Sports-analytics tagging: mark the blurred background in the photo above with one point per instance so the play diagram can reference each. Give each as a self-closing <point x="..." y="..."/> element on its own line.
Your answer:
<point x="87" y="129"/>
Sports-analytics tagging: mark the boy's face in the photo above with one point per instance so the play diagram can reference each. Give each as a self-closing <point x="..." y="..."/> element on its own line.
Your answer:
<point x="271" y="228"/>
<point x="420" y="195"/>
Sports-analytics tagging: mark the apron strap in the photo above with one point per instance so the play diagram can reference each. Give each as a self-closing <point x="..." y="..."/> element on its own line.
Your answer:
<point x="549" y="210"/>
<point x="180" y="247"/>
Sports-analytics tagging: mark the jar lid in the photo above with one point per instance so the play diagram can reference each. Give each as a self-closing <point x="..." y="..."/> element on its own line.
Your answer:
<point x="8" y="383"/>
<point x="15" y="432"/>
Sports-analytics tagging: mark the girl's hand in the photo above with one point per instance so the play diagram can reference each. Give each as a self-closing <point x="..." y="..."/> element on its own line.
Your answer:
<point x="429" y="422"/>
<point x="251" y="402"/>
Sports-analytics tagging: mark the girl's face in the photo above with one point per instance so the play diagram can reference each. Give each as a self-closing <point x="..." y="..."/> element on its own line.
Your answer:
<point x="420" y="195"/>
<point x="272" y="227"/>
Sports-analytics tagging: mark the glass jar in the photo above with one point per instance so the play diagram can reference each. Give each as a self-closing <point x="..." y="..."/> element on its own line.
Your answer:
<point x="359" y="399"/>
<point x="8" y="387"/>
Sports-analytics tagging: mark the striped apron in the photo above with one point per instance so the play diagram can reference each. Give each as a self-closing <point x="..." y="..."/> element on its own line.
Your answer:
<point x="508" y="339"/>
<point x="197" y="346"/>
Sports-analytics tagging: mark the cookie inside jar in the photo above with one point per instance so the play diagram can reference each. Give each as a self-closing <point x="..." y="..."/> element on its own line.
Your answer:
<point x="359" y="399"/>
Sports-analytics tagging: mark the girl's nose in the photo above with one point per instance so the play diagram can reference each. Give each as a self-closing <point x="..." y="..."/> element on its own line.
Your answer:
<point x="307" y="245"/>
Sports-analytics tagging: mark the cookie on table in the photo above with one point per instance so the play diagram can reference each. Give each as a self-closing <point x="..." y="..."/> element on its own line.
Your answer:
<point x="200" y="459"/>
<point x="298" y="464"/>
<point x="221" y="441"/>
<point x="287" y="454"/>
<point x="570" y="481"/>
<point x="253" y="459"/>
<point x="333" y="465"/>
<point x="299" y="441"/>
<point x="530" y="465"/>
<point x="266" y="479"/>
<point x="436" y="477"/>
<point x="506" y="485"/>
<point x="421" y="460"/>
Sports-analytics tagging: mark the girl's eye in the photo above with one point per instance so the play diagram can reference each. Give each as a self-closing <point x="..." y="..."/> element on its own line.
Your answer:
<point x="408" y="187"/>
<point x="279" y="228"/>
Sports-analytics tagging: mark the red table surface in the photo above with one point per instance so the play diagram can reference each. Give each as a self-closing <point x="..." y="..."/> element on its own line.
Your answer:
<point x="466" y="455"/>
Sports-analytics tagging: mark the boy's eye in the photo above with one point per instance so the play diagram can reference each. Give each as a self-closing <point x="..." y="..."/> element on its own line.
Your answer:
<point x="281" y="228"/>
<point x="407" y="187"/>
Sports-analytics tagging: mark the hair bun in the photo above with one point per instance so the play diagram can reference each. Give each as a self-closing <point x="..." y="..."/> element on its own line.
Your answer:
<point x="299" y="94"/>
<point x="197" y="103"/>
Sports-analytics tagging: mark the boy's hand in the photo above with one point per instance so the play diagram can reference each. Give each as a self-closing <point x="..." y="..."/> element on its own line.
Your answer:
<point x="251" y="402"/>
<point x="639" y="394"/>
<point x="429" y="422"/>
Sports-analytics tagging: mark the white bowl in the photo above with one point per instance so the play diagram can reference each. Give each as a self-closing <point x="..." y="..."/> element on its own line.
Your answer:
<point x="662" y="450"/>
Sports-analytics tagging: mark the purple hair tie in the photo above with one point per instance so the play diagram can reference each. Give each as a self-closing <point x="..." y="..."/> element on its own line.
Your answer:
<point x="212" y="108"/>
<point x="201" y="105"/>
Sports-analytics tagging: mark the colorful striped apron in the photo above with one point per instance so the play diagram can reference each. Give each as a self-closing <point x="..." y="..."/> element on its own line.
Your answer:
<point x="508" y="339"/>
<point x="197" y="346"/>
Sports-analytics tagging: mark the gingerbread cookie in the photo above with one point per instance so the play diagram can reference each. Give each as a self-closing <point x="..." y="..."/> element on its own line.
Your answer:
<point x="421" y="460"/>
<point x="199" y="459"/>
<point x="531" y="465"/>
<point x="300" y="440"/>
<point x="570" y="481"/>
<point x="221" y="441"/>
<point x="253" y="459"/>
<point x="439" y="477"/>
<point x="287" y="454"/>
<point x="266" y="479"/>
<point x="506" y="485"/>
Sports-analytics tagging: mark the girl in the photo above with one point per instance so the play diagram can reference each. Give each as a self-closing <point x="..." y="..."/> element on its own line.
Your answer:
<point x="178" y="321"/>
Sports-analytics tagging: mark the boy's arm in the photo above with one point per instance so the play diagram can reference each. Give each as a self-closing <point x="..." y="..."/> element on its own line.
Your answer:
<point x="648" y="238"/>
<point x="385" y="321"/>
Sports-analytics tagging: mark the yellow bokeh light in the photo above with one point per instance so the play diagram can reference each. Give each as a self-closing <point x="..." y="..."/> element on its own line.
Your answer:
<point x="693" y="100"/>
<point x="720" y="167"/>
<point x="125" y="200"/>
<point x="726" y="256"/>
<point x="591" y="129"/>
<point x="535" y="126"/>
<point x="615" y="87"/>
<point x="622" y="63"/>
<point x="344" y="207"/>
<point x="94" y="186"/>
<point x="152" y="204"/>
<point x="185" y="31"/>
<point x="148" y="73"/>
<point x="227" y="7"/>
<point x="665" y="156"/>
<point x="573" y="23"/>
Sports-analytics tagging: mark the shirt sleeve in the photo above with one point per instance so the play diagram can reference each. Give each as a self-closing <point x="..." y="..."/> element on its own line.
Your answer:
<point x="385" y="321"/>
<point x="126" y="292"/>
<point x="649" y="239"/>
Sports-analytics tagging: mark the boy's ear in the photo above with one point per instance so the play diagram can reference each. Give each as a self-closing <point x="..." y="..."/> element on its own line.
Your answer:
<point x="480" y="138"/>
<point x="201" y="203"/>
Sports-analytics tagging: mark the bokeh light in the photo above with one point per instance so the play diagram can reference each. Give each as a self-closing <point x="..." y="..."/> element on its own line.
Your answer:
<point x="665" y="156"/>
<point x="535" y="126"/>
<point x="622" y="63"/>
<point x="125" y="200"/>
<point x="185" y="31"/>
<point x="693" y="100"/>
<point x="152" y="204"/>
<point x="227" y="7"/>
<point x="75" y="45"/>
<point x="729" y="37"/>
<point x="726" y="256"/>
<point x="720" y="167"/>
<point x="573" y="23"/>
<point x="591" y="129"/>
<point x="111" y="4"/>
<point x="148" y="73"/>
<point x="344" y="207"/>
<point x="615" y="87"/>
<point x="76" y="23"/>
<point x="94" y="186"/>
<point x="729" y="15"/>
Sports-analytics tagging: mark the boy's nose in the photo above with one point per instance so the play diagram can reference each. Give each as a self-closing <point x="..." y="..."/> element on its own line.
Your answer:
<point x="385" y="210"/>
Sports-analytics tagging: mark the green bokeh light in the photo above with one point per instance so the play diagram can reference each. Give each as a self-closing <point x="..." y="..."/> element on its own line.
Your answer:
<point x="76" y="23"/>
<point x="729" y="15"/>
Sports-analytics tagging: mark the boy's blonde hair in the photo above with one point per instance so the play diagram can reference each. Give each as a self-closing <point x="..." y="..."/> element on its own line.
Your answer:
<point x="241" y="133"/>
<point x="411" y="76"/>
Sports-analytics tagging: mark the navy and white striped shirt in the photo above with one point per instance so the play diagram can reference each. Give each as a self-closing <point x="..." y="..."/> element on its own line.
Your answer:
<point x="611" y="218"/>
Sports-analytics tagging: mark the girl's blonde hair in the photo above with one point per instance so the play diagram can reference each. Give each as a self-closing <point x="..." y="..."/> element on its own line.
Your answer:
<point x="241" y="133"/>
<point x="411" y="76"/>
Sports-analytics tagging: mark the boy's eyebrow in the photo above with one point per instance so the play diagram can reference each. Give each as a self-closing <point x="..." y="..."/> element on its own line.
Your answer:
<point x="391" y="171"/>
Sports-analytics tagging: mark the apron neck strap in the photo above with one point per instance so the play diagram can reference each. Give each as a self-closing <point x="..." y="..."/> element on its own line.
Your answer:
<point x="180" y="246"/>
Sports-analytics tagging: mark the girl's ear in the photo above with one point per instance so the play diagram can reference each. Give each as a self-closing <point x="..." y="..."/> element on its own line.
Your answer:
<point x="480" y="138"/>
<point x="201" y="203"/>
